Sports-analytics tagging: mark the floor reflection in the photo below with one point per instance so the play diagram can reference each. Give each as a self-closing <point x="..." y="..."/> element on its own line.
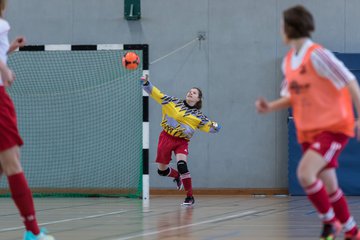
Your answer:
<point x="174" y="225"/>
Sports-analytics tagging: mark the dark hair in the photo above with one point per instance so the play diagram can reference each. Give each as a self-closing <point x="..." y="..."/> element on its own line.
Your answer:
<point x="298" y="22"/>
<point x="2" y="6"/>
<point x="198" y="105"/>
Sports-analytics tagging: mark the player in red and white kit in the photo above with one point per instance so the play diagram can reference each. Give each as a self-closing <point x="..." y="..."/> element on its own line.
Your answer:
<point x="10" y="140"/>
<point x="320" y="90"/>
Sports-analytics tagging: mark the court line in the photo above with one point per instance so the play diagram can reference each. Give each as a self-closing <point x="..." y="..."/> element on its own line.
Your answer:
<point x="63" y="207"/>
<point x="224" y="236"/>
<point x="66" y="220"/>
<point x="219" y="219"/>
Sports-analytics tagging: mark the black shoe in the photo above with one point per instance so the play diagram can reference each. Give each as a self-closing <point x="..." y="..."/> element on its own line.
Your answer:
<point x="330" y="231"/>
<point x="178" y="182"/>
<point x="189" y="201"/>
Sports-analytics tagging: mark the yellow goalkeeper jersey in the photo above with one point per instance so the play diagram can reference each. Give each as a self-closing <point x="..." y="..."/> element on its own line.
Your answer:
<point x="178" y="118"/>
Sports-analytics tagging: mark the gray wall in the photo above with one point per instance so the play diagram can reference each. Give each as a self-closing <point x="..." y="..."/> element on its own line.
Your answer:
<point x="239" y="61"/>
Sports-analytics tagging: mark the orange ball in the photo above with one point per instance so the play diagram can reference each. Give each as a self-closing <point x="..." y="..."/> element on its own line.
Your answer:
<point x="130" y="61"/>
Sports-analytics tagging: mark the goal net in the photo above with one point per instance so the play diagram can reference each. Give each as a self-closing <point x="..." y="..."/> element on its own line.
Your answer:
<point x="80" y="114"/>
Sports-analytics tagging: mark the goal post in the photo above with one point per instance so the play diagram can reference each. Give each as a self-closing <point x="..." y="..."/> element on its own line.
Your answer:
<point x="83" y="118"/>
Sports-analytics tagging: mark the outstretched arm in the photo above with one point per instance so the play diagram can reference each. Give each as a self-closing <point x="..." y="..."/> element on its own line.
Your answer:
<point x="215" y="127"/>
<point x="264" y="106"/>
<point x="18" y="42"/>
<point x="209" y="126"/>
<point x="153" y="91"/>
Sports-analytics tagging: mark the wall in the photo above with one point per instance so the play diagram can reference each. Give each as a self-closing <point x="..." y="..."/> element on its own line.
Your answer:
<point x="238" y="61"/>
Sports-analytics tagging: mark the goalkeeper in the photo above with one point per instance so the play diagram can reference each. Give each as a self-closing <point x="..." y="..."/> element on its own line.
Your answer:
<point x="180" y="119"/>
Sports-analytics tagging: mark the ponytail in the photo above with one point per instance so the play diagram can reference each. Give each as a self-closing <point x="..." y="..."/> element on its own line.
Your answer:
<point x="198" y="105"/>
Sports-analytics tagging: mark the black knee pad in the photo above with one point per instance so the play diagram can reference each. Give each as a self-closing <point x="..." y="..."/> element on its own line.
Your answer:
<point x="164" y="172"/>
<point x="182" y="167"/>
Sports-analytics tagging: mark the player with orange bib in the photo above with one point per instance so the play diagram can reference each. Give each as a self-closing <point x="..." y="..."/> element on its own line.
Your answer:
<point x="180" y="120"/>
<point x="320" y="90"/>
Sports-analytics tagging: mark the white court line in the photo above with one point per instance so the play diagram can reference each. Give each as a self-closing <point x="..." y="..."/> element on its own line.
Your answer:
<point x="188" y="225"/>
<point x="66" y="220"/>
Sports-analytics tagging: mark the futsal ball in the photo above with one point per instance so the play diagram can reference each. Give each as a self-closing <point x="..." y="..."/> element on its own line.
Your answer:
<point x="130" y="60"/>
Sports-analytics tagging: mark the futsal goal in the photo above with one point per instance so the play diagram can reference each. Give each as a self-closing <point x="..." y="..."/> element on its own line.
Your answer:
<point x="83" y="118"/>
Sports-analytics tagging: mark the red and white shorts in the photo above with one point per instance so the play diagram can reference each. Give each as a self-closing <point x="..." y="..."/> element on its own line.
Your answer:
<point x="329" y="145"/>
<point x="9" y="134"/>
<point x="167" y="145"/>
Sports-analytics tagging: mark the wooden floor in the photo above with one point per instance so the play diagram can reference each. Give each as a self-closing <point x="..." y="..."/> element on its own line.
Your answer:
<point x="212" y="218"/>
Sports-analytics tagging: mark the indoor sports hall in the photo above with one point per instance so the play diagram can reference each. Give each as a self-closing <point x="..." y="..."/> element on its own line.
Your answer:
<point x="104" y="88"/>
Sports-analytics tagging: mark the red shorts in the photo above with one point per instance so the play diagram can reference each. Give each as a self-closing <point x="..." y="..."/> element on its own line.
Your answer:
<point x="168" y="144"/>
<point x="329" y="145"/>
<point x="9" y="134"/>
